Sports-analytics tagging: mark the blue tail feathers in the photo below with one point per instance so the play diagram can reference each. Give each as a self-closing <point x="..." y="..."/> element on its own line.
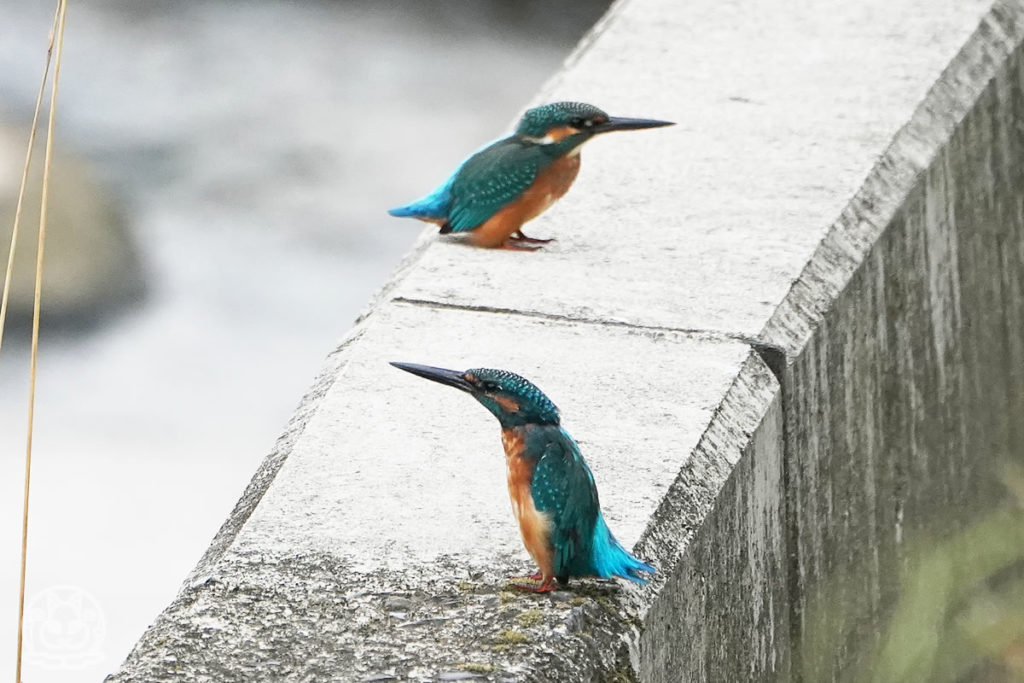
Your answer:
<point x="407" y="211"/>
<point x="435" y="206"/>
<point x="609" y="558"/>
<point x="430" y="207"/>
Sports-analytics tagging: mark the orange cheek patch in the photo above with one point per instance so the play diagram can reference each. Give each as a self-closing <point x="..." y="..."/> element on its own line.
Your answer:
<point x="557" y="134"/>
<point x="507" y="403"/>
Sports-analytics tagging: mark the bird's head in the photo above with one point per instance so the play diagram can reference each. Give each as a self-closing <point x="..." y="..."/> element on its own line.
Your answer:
<point x="553" y="122"/>
<point x="512" y="399"/>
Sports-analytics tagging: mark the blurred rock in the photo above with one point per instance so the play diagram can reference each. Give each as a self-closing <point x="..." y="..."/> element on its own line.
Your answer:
<point x="91" y="263"/>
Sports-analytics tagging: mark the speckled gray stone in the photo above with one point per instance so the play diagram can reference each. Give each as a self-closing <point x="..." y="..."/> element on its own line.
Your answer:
<point x="866" y="137"/>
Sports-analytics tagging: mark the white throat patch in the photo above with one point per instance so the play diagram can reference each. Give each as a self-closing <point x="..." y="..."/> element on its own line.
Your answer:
<point x="546" y="140"/>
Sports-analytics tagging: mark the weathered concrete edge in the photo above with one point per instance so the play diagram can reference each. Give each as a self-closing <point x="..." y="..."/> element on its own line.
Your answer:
<point x="723" y="614"/>
<point x="270" y="466"/>
<point x="717" y="537"/>
<point x="585" y="642"/>
<point x="894" y="175"/>
<point x="749" y="514"/>
<point x="922" y="356"/>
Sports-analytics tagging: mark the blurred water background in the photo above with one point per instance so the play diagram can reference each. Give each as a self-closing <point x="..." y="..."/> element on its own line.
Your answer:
<point x="227" y="166"/>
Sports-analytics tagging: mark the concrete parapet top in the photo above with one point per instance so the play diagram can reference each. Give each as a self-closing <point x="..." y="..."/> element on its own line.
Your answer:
<point x="392" y="471"/>
<point x="373" y="542"/>
<point x="782" y="110"/>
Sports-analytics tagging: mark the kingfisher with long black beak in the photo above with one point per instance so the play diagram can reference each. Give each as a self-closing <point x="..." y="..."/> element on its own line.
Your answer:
<point x="509" y="182"/>
<point x="553" y="494"/>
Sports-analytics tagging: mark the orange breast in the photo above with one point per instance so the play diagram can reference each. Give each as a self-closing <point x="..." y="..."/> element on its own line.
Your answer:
<point x="553" y="182"/>
<point x="534" y="526"/>
<point x="547" y="188"/>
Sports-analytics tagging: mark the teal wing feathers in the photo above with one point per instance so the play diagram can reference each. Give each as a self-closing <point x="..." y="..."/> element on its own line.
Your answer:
<point x="491" y="179"/>
<point x="564" y="488"/>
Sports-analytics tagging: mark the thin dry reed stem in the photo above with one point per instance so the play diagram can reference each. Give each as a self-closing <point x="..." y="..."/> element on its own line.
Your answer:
<point x="24" y="178"/>
<point x="62" y="13"/>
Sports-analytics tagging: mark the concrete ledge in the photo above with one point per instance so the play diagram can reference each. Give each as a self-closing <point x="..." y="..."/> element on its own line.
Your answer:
<point x="435" y="573"/>
<point x="373" y="543"/>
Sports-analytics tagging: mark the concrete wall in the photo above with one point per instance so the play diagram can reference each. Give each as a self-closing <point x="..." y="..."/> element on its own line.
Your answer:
<point x="905" y="412"/>
<point x="786" y="333"/>
<point x="878" y="503"/>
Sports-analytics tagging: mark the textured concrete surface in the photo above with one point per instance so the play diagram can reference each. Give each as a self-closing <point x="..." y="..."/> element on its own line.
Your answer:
<point x="905" y="443"/>
<point x="391" y="506"/>
<point x="782" y="110"/>
<point x="382" y="447"/>
<point x="373" y="542"/>
<point x="723" y="614"/>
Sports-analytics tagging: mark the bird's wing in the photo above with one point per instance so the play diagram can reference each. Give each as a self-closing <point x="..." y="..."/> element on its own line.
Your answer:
<point x="564" y="488"/>
<point x="490" y="179"/>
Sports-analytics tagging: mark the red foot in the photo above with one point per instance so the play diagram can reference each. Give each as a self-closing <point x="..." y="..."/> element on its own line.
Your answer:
<point x="545" y="587"/>
<point x="518" y="247"/>
<point x="519" y="236"/>
<point x="541" y="585"/>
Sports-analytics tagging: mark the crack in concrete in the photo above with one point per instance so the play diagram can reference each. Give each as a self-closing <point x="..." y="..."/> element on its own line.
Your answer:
<point x="762" y="346"/>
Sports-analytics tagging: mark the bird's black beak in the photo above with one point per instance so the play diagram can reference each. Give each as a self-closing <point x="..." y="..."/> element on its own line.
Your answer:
<point x="622" y="123"/>
<point x="452" y="378"/>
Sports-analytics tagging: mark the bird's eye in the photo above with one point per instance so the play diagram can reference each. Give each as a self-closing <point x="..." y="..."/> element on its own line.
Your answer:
<point x="579" y="122"/>
<point x="489" y="386"/>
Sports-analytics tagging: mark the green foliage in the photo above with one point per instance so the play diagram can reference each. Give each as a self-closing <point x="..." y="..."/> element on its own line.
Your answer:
<point x="959" y="614"/>
<point x="962" y="606"/>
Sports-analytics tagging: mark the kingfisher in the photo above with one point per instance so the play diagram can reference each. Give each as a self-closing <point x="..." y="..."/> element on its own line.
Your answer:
<point x="554" y="497"/>
<point x="515" y="179"/>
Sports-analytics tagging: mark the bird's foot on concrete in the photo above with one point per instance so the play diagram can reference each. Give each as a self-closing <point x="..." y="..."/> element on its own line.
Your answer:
<point x="544" y="587"/>
<point x="519" y="236"/>
<point x="534" y="583"/>
<point x="518" y="247"/>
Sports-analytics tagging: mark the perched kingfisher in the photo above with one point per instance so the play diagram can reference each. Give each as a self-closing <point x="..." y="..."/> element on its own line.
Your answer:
<point x="514" y="180"/>
<point x="553" y="494"/>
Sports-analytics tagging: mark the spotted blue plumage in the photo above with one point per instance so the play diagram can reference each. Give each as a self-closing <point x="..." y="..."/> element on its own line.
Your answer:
<point x="564" y="488"/>
<point x="494" y="176"/>
<point x="539" y="120"/>
<point x="534" y="406"/>
<point x="485" y="183"/>
<point x="561" y="484"/>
